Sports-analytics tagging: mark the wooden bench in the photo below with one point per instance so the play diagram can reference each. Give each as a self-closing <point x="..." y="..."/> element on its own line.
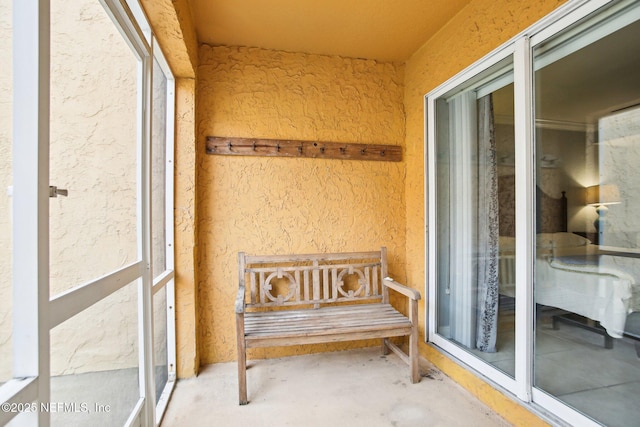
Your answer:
<point x="320" y="298"/>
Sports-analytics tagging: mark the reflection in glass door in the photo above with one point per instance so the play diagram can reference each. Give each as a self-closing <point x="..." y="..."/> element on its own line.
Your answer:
<point x="587" y="267"/>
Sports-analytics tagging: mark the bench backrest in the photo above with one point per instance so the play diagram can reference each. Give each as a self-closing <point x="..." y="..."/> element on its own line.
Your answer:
<point x="312" y="279"/>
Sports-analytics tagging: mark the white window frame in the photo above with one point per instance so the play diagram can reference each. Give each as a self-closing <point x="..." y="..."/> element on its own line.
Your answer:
<point x="31" y="345"/>
<point x="469" y="359"/>
<point x="521" y="47"/>
<point x="31" y="199"/>
<point x="166" y="280"/>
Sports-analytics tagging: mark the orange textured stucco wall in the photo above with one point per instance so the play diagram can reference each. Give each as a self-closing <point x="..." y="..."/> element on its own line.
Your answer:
<point x="187" y="358"/>
<point x="475" y="31"/>
<point x="173" y="27"/>
<point x="288" y="205"/>
<point x="174" y="30"/>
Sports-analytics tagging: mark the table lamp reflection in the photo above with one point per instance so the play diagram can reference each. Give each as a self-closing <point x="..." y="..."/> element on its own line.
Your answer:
<point x="600" y="196"/>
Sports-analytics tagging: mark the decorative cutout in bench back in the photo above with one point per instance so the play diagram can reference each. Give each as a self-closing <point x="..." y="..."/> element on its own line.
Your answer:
<point x="274" y="281"/>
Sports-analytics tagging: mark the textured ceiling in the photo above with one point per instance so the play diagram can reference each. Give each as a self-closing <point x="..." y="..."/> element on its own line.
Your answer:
<point x="385" y="30"/>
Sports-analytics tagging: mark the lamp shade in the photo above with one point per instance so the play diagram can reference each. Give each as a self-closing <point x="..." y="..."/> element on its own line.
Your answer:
<point x="605" y="194"/>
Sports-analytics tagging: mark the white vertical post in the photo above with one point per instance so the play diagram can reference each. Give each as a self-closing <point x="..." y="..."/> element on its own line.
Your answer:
<point x="170" y="251"/>
<point x="145" y="295"/>
<point x="31" y="198"/>
<point x="525" y="208"/>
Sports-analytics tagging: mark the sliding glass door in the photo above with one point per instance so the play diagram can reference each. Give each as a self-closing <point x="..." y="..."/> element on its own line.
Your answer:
<point x="533" y="196"/>
<point x="475" y="232"/>
<point x="587" y="264"/>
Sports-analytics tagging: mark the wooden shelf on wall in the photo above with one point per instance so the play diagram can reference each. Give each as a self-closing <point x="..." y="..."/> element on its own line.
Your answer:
<point x="290" y="148"/>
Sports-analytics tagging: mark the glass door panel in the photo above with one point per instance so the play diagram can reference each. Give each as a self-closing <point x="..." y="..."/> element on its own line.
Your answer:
<point x="94" y="363"/>
<point x="158" y="171"/>
<point x="161" y="245"/>
<point x="475" y="243"/>
<point x="93" y="232"/>
<point x="93" y="151"/>
<point x="587" y="267"/>
<point x="160" y="340"/>
<point x="6" y="170"/>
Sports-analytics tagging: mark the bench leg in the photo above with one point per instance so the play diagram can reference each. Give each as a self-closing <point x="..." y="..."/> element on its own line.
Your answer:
<point x="414" y="358"/>
<point x="385" y="347"/>
<point x="414" y="355"/>
<point x="242" y="378"/>
<point x="242" y="363"/>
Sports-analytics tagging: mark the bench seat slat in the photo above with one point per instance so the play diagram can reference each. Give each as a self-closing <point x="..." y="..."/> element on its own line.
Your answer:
<point x="324" y="321"/>
<point x="317" y="323"/>
<point x="325" y="311"/>
<point x="322" y="330"/>
<point x="293" y="315"/>
<point x="321" y="318"/>
<point x="316" y="339"/>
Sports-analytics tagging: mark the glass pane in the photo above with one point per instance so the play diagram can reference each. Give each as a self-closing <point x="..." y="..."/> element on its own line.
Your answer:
<point x="93" y="145"/>
<point x="587" y="267"/>
<point x="476" y="216"/>
<point x="158" y="167"/>
<point x="94" y="363"/>
<point x="6" y="259"/>
<point x="160" y="340"/>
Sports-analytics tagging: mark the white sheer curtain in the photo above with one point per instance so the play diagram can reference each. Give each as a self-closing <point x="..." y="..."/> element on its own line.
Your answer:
<point x="473" y="223"/>
<point x="463" y="201"/>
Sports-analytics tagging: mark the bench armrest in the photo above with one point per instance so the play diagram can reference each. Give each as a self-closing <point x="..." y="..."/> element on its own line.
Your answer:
<point x="240" y="300"/>
<point x="400" y="288"/>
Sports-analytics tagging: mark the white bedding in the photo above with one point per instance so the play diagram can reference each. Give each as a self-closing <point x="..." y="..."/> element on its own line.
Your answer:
<point x="598" y="293"/>
<point x="602" y="291"/>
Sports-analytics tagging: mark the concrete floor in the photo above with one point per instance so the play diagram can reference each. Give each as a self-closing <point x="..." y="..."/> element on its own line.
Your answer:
<point x="351" y="388"/>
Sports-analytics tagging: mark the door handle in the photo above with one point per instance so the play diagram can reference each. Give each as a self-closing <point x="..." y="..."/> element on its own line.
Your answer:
<point x="55" y="191"/>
